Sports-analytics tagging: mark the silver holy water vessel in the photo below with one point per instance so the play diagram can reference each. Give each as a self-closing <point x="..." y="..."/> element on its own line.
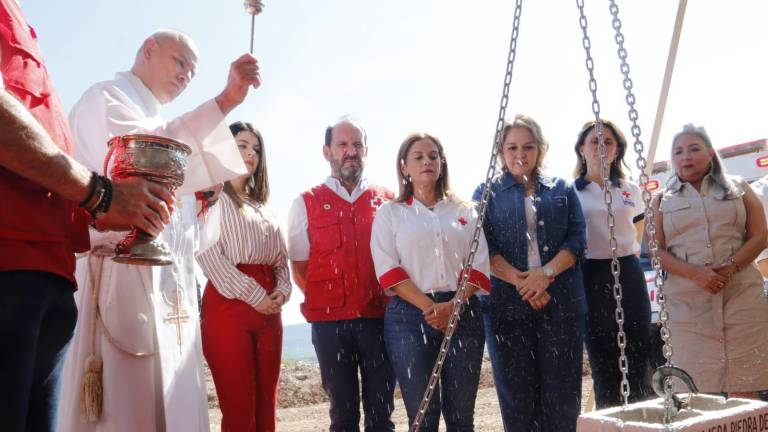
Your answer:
<point x="158" y="159"/>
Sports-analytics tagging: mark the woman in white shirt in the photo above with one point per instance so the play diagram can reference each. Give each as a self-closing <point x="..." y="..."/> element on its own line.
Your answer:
<point x="628" y="209"/>
<point x="419" y="244"/>
<point x="248" y="282"/>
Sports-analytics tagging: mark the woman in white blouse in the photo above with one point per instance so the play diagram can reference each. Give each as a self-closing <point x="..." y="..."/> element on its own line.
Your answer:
<point x="419" y="244"/>
<point x="628" y="211"/>
<point x="248" y="282"/>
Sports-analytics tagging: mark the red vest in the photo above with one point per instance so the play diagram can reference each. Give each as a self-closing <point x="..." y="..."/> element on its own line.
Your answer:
<point x="341" y="282"/>
<point x="39" y="230"/>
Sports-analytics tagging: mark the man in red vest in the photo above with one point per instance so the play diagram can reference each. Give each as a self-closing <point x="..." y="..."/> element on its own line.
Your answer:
<point x="329" y="239"/>
<point x="42" y="226"/>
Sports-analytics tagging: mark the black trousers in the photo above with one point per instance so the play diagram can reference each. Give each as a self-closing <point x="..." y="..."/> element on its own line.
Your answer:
<point x="37" y="320"/>
<point x="602" y="329"/>
<point x="343" y="348"/>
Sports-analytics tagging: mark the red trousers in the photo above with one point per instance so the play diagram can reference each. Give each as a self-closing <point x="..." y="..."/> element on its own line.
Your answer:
<point x="243" y="348"/>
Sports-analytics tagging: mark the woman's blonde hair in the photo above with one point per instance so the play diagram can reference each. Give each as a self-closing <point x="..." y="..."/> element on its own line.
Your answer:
<point x="524" y="121"/>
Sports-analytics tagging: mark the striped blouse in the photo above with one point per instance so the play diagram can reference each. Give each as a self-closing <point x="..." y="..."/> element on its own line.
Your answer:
<point x="248" y="236"/>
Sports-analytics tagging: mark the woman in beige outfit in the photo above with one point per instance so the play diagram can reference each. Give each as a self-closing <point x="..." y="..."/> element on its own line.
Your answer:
<point x="713" y="228"/>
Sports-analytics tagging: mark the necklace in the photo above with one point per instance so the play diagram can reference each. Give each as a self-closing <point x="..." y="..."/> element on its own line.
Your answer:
<point x="530" y="219"/>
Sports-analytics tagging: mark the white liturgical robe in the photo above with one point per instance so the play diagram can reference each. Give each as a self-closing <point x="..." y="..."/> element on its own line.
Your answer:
<point x="163" y="389"/>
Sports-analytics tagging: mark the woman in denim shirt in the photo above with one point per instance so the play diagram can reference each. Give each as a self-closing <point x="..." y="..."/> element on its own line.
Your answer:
<point x="534" y="316"/>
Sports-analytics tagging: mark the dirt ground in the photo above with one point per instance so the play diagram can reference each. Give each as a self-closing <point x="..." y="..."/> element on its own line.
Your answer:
<point x="314" y="418"/>
<point x="303" y="407"/>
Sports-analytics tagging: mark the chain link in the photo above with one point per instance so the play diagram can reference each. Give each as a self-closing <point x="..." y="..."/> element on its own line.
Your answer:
<point x="621" y="337"/>
<point x="458" y="304"/>
<point x="650" y="217"/>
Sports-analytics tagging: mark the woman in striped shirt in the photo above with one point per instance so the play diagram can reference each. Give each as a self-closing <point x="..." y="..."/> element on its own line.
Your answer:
<point x="248" y="282"/>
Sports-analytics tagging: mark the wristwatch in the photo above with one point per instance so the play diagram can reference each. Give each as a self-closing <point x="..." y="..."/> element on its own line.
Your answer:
<point x="548" y="272"/>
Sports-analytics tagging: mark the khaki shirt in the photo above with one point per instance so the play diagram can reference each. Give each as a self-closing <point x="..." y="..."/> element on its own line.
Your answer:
<point x="720" y="339"/>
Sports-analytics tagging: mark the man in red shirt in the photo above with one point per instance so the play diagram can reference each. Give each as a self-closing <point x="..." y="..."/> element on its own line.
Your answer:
<point x="48" y="199"/>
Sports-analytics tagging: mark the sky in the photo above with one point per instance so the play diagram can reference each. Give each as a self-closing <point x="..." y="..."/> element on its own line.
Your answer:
<point x="437" y="66"/>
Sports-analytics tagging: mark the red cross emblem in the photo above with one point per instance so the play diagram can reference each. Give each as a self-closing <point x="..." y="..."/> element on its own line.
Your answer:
<point x="462" y="221"/>
<point x="626" y="194"/>
<point x="377" y="201"/>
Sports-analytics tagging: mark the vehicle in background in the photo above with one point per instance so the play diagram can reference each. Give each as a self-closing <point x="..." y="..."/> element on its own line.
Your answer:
<point x="650" y="282"/>
<point x="748" y="160"/>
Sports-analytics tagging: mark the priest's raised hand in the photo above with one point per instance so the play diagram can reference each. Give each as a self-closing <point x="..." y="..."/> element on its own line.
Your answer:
<point x="243" y="74"/>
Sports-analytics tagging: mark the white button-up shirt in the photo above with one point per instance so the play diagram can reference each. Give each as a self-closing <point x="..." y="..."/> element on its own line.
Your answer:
<point x="429" y="247"/>
<point x="628" y="207"/>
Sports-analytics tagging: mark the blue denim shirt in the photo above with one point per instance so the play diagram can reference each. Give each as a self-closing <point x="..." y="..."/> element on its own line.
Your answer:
<point x="506" y="230"/>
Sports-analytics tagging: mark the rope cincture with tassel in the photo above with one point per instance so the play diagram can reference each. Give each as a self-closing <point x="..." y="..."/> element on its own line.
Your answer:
<point x="92" y="392"/>
<point x="92" y="389"/>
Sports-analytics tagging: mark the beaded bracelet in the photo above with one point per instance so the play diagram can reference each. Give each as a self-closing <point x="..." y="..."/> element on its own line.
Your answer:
<point x="105" y="197"/>
<point x="92" y="183"/>
<point x="99" y="197"/>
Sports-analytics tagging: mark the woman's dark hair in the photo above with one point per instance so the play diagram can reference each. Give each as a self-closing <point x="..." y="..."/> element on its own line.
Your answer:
<point x="616" y="172"/>
<point x="257" y="186"/>
<point x="442" y="188"/>
<point x="717" y="168"/>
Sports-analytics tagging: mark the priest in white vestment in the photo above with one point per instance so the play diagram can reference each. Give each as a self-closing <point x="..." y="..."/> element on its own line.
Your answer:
<point x="146" y="329"/>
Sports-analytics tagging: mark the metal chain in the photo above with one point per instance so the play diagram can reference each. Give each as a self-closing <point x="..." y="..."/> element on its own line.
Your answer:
<point x="621" y="337"/>
<point x="458" y="304"/>
<point x="650" y="216"/>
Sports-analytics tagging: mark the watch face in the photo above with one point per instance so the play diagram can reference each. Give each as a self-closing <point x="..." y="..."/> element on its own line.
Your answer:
<point x="548" y="271"/>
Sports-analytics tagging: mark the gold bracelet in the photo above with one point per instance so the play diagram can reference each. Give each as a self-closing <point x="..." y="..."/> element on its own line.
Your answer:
<point x="733" y="262"/>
